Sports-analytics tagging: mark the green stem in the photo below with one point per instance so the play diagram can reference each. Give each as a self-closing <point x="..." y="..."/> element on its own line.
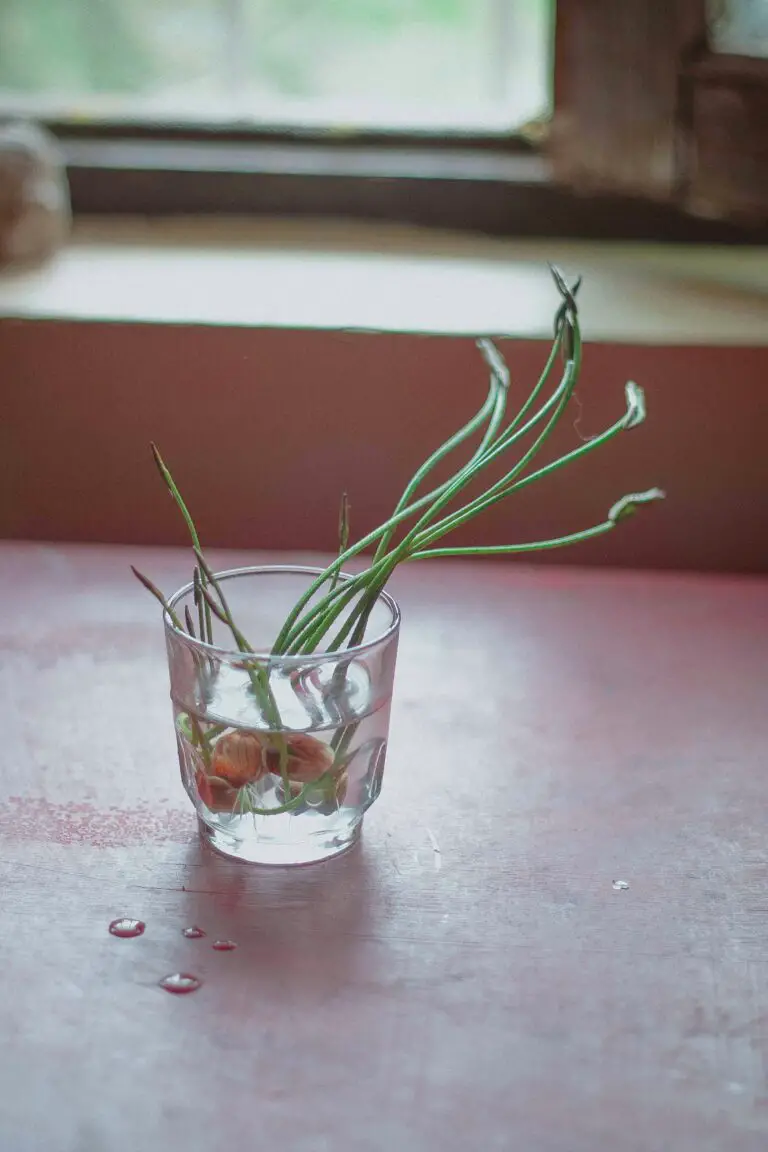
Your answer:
<point x="222" y="610"/>
<point x="463" y="477"/>
<point x="289" y="806"/>
<point x="558" y="400"/>
<point x="356" y="624"/>
<point x="511" y="549"/>
<point x="170" y="483"/>
<point x="494" y="406"/>
<point x="396" y="519"/>
<point x="257" y="675"/>
<point x="544" y="376"/>
<point x="199" y="740"/>
<point x="513" y="433"/>
<point x="502" y="488"/>
<point x="203" y="611"/>
<point x="343" y="535"/>
<point x="317" y="622"/>
<point x="188" y="622"/>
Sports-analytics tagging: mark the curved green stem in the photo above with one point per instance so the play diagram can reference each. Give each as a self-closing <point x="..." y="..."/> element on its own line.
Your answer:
<point x="317" y="628"/>
<point x="463" y="477"/>
<point x="557" y="400"/>
<point x="327" y="608"/>
<point x="257" y="675"/>
<point x="494" y="406"/>
<point x="359" y="618"/>
<point x="510" y="549"/>
<point x="498" y="491"/>
<point x="437" y="499"/>
<point x="502" y="488"/>
<point x="278" y="648"/>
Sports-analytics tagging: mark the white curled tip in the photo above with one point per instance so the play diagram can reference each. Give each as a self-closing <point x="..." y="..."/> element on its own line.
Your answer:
<point x="629" y="504"/>
<point x="635" y="413"/>
<point x="494" y="360"/>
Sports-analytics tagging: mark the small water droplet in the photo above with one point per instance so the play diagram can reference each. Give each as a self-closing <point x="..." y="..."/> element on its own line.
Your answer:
<point x="224" y="945"/>
<point x="124" y="927"/>
<point x="193" y="932"/>
<point x="620" y="886"/>
<point x="180" y="982"/>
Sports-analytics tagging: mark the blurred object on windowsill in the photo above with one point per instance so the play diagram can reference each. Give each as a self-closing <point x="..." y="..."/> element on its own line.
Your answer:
<point x="35" y="216"/>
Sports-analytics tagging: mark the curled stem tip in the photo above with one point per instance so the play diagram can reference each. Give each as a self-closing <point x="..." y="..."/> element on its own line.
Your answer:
<point x="304" y="632"/>
<point x="636" y="410"/>
<point x="628" y="505"/>
<point x="568" y="293"/>
<point x="494" y="360"/>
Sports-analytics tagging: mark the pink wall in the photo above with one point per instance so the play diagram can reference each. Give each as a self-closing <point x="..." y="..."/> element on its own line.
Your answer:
<point x="264" y="428"/>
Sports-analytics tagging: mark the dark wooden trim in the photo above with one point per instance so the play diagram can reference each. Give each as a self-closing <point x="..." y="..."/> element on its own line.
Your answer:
<point x="131" y="154"/>
<point x="382" y="139"/>
<point x="630" y="150"/>
<point x="643" y="107"/>
<point x="723" y="68"/>
<point x="617" y="92"/>
<point x="726" y="173"/>
<point x="481" y="191"/>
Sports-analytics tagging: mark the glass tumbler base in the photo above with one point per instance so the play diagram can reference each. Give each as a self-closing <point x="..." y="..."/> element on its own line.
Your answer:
<point x="281" y="853"/>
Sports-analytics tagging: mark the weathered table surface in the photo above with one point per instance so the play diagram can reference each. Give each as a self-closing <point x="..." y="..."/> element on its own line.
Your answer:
<point x="468" y="978"/>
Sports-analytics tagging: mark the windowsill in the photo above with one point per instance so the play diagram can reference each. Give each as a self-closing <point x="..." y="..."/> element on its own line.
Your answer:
<point x="328" y="275"/>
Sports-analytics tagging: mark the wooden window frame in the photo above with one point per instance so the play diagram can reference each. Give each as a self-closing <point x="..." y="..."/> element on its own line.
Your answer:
<point x="640" y="165"/>
<point x="644" y="107"/>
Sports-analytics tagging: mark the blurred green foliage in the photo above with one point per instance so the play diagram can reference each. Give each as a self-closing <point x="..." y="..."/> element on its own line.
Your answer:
<point x="81" y="46"/>
<point x="250" y="57"/>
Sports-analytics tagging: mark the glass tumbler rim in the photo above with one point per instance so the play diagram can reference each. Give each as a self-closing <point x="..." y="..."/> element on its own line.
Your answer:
<point x="320" y="657"/>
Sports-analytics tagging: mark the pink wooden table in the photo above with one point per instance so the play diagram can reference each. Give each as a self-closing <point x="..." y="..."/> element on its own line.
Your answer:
<point x="468" y="978"/>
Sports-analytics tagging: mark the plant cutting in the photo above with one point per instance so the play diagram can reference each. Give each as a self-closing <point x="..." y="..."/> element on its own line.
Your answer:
<point x="281" y="677"/>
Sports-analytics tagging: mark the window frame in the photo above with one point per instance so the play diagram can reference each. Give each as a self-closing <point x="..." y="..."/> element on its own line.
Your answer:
<point x="662" y="136"/>
<point x="524" y="183"/>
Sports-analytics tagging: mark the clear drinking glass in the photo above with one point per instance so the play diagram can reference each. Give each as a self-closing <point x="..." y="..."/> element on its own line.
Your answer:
<point x="281" y="756"/>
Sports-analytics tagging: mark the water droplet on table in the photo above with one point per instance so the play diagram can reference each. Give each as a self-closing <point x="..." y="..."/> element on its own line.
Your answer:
<point x="193" y="932"/>
<point x="180" y="982"/>
<point x="124" y="927"/>
<point x="620" y="886"/>
<point x="224" y="945"/>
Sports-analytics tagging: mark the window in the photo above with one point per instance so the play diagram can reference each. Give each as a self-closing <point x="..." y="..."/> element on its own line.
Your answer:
<point x="534" y="117"/>
<point x="739" y="26"/>
<point x="448" y="65"/>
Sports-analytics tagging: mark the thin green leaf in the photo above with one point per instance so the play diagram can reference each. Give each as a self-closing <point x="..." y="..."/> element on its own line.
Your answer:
<point x="174" y="491"/>
<point x="155" y="591"/>
<point x="188" y="622"/>
<point x="512" y="549"/>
